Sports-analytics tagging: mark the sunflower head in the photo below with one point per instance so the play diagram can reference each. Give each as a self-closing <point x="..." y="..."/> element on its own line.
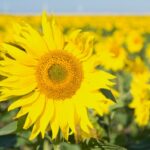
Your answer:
<point x="111" y="53"/>
<point x="55" y="79"/>
<point x="134" y="41"/>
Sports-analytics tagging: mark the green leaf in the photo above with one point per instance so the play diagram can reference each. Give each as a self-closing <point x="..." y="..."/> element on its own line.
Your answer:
<point x="108" y="94"/>
<point x="9" y="129"/>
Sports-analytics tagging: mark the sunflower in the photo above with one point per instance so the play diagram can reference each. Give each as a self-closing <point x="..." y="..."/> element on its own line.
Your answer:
<point x="134" y="41"/>
<point x="140" y="91"/>
<point x="136" y="67"/>
<point x="111" y="49"/>
<point x="55" y="80"/>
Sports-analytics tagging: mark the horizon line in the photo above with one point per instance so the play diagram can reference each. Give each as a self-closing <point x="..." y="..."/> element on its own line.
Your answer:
<point x="81" y="13"/>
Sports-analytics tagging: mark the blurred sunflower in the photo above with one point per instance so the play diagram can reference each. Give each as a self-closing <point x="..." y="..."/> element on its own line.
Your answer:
<point x="55" y="79"/>
<point x="140" y="90"/>
<point x="111" y="53"/>
<point x="136" y="66"/>
<point x="134" y="41"/>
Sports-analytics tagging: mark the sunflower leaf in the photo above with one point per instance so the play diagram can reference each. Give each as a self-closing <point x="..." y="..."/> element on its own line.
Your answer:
<point x="9" y="129"/>
<point x="108" y="94"/>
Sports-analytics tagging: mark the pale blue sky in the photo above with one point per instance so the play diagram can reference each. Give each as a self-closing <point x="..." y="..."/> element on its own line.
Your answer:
<point x="75" y="6"/>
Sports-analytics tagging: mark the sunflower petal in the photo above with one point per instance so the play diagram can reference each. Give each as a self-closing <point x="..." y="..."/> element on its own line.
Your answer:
<point x="19" y="55"/>
<point x="37" y="109"/>
<point x="28" y="99"/>
<point x="31" y="41"/>
<point x="52" y="34"/>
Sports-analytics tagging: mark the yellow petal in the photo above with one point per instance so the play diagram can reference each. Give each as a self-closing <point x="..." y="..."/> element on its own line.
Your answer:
<point x="81" y="45"/>
<point x="46" y="116"/>
<point x="60" y="114"/>
<point x="72" y="36"/>
<point x="70" y="114"/>
<point x="35" y="130"/>
<point x="52" y="34"/>
<point x="98" y="79"/>
<point x="17" y="69"/>
<point x="84" y="120"/>
<point x="17" y="83"/>
<point x="90" y="64"/>
<point x="19" y="55"/>
<point x="55" y="123"/>
<point x="55" y="128"/>
<point x="87" y="51"/>
<point x="31" y="41"/>
<point x="25" y="100"/>
<point x="36" y="110"/>
<point x="20" y="91"/>
<point x="24" y="110"/>
<point x="73" y="49"/>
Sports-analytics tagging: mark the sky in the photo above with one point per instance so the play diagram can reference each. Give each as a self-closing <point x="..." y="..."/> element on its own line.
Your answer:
<point x="75" y="6"/>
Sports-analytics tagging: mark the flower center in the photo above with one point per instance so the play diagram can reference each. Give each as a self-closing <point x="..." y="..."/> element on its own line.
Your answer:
<point x="59" y="75"/>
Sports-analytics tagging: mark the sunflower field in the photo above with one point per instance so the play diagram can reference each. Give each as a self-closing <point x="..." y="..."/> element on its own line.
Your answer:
<point x="74" y="82"/>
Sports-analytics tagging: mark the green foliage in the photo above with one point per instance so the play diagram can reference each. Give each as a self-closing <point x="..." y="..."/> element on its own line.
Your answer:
<point x="8" y="139"/>
<point x="90" y="144"/>
<point x="8" y="129"/>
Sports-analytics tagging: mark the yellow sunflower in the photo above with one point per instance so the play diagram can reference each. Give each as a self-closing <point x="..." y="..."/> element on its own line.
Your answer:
<point x="134" y="41"/>
<point x="111" y="53"/>
<point x="140" y="91"/>
<point x="136" y="66"/>
<point x="55" y="79"/>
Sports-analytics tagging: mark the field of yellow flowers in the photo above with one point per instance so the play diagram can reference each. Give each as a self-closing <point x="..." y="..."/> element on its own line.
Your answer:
<point x="119" y="47"/>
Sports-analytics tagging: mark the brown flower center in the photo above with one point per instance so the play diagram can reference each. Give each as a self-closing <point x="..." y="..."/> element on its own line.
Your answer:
<point x="59" y="75"/>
